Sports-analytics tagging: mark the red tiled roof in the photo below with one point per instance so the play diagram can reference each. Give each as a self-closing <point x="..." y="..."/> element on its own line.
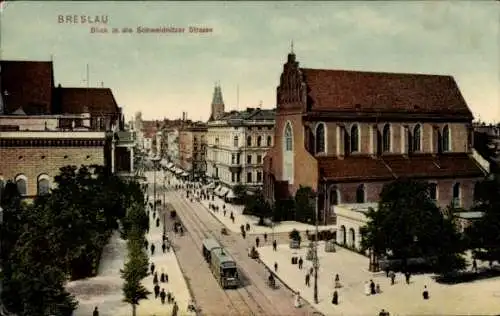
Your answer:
<point x="356" y="168"/>
<point x="341" y="90"/>
<point x="28" y="85"/>
<point x="353" y="168"/>
<point x="97" y="100"/>
<point x="453" y="164"/>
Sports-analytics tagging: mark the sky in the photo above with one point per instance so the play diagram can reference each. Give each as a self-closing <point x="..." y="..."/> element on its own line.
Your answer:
<point x="165" y="74"/>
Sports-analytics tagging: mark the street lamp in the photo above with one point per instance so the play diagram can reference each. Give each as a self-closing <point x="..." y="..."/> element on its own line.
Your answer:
<point x="316" y="260"/>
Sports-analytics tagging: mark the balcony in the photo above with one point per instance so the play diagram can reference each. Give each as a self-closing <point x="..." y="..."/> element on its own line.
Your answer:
<point x="235" y="168"/>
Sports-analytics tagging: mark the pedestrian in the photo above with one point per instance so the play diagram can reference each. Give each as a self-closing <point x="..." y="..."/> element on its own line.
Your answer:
<point x="162" y="296"/>
<point x="337" y="281"/>
<point x="96" y="312"/>
<point x="425" y="293"/>
<point x="244" y="234"/>
<point x="157" y="222"/>
<point x="265" y="237"/>
<point x="335" y="298"/>
<point x="275" y="245"/>
<point x="474" y="265"/>
<point x="308" y="279"/>
<point x="146" y="244"/>
<point x="162" y="277"/>
<point x="181" y="230"/>
<point x="297" y="299"/>
<point x="257" y="241"/>
<point x="175" y="309"/>
<point x="377" y="289"/>
<point x="163" y="247"/>
<point x="166" y="277"/>
<point x="224" y="212"/>
<point x="392" y="275"/>
<point x="311" y="270"/>
<point x="383" y="312"/>
<point x="367" y="288"/>
<point x="152" y="268"/>
<point x="170" y="297"/>
<point x="155" y="278"/>
<point x="157" y="290"/>
<point x="372" y="288"/>
<point x="247" y="227"/>
<point x="301" y="262"/>
<point x="275" y="267"/>
<point x="407" y="277"/>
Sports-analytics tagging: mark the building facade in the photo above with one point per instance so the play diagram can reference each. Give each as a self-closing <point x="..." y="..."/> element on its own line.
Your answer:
<point x="347" y="133"/>
<point x="172" y="145"/>
<point x="237" y="143"/>
<point x="43" y="128"/>
<point x="192" y="149"/>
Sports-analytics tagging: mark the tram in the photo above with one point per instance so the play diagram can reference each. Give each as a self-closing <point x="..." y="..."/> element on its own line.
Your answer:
<point x="207" y="246"/>
<point x="224" y="268"/>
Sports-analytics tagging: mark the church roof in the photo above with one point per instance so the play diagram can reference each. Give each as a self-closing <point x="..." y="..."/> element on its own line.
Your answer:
<point x="217" y="96"/>
<point x="363" y="91"/>
<point x="85" y="100"/>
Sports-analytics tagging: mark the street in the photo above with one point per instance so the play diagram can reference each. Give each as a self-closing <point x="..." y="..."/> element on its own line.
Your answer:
<point x="254" y="297"/>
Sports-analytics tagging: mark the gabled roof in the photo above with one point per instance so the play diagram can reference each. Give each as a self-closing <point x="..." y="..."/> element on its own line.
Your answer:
<point x="26" y="84"/>
<point x="343" y="90"/>
<point x="250" y="114"/>
<point x="94" y="100"/>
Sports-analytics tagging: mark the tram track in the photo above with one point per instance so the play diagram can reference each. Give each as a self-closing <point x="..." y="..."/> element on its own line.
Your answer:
<point x="242" y="299"/>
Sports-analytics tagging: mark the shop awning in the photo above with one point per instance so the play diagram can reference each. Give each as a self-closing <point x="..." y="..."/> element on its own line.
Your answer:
<point x="231" y="195"/>
<point x="223" y="191"/>
<point x="179" y="171"/>
<point x="185" y="174"/>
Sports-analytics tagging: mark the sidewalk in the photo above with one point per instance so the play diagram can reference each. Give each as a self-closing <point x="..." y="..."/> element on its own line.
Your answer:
<point x="476" y="298"/>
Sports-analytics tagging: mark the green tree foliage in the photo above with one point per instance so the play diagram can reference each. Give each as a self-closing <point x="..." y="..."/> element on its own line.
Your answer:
<point x="408" y="224"/>
<point x="59" y="236"/>
<point x="257" y="205"/>
<point x="304" y="205"/>
<point x="484" y="234"/>
<point x="136" y="267"/>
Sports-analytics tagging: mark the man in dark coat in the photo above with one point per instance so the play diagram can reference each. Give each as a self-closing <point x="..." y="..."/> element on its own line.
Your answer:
<point x="275" y="245"/>
<point x="175" y="309"/>
<point x="301" y="262"/>
<point x="372" y="288"/>
<point x="152" y="249"/>
<point x="152" y="267"/>
<point x="96" y="312"/>
<point x="257" y="241"/>
<point x="308" y="279"/>
<point x="157" y="290"/>
<point x="335" y="298"/>
<point x="162" y="296"/>
<point x="163" y="247"/>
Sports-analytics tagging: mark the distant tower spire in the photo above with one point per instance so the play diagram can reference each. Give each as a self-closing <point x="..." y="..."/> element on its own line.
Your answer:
<point x="291" y="47"/>
<point x="217" y="103"/>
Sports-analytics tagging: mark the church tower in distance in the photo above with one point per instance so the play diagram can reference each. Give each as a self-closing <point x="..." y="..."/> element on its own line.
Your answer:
<point x="217" y="104"/>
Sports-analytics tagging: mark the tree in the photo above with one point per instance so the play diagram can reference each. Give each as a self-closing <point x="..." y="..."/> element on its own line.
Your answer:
<point x="484" y="234"/>
<point x="409" y="224"/>
<point x="257" y="205"/>
<point x="240" y="192"/>
<point x="304" y="205"/>
<point x="136" y="268"/>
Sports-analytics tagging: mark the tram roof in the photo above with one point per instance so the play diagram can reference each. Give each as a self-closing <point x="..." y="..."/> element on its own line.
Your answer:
<point x="211" y="243"/>
<point x="223" y="256"/>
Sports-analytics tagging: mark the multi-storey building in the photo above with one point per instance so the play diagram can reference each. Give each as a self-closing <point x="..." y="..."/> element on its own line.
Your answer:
<point x="237" y="143"/>
<point x="487" y="143"/>
<point x="347" y="133"/>
<point x="43" y="128"/>
<point x="192" y="149"/>
<point x="171" y="136"/>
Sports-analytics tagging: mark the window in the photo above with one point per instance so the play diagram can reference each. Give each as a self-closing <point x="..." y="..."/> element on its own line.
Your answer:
<point x="233" y="177"/>
<point x="2" y="186"/>
<point x="259" y="141"/>
<point x="360" y="194"/>
<point x="288" y="138"/>
<point x="416" y="138"/>
<point x="259" y="176"/>
<point x="249" y="158"/>
<point x="233" y="159"/>
<point x="456" y="195"/>
<point x="433" y="191"/>
<point x="386" y="138"/>
<point x="235" y="141"/>
<point x="249" y="177"/>
<point x="21" y="182"/>
<point x="320" y="138"/>
<point x="259" y="158"/>
<point x="269" y="141"/>
<point x="238" y="159"/>
<point x="249" y="141"/>
<point x="43" y="185"/>
<point x="217" y="141"/>
<point x="446" y="138"/>
<point x="354" y="138"/>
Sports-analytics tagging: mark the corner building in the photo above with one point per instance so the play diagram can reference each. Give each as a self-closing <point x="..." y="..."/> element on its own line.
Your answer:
<point x="347" y="133"/>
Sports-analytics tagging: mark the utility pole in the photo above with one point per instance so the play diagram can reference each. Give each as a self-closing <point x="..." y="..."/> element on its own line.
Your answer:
<point x="316" y="260"/>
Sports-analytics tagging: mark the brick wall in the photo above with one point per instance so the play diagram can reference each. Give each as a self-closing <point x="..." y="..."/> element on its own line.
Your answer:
<point x="34" y="161"/>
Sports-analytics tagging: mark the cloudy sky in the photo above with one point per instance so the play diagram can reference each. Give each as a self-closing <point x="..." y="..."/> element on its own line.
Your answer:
<point x="163" y="75"/>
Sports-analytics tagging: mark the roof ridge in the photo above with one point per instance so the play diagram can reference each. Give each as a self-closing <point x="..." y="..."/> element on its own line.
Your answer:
<point x="377" y="72"/>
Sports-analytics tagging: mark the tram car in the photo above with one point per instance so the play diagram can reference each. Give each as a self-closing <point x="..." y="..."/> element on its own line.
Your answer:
<point x="207" y="246"/>
<point x="224" y="268"/>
